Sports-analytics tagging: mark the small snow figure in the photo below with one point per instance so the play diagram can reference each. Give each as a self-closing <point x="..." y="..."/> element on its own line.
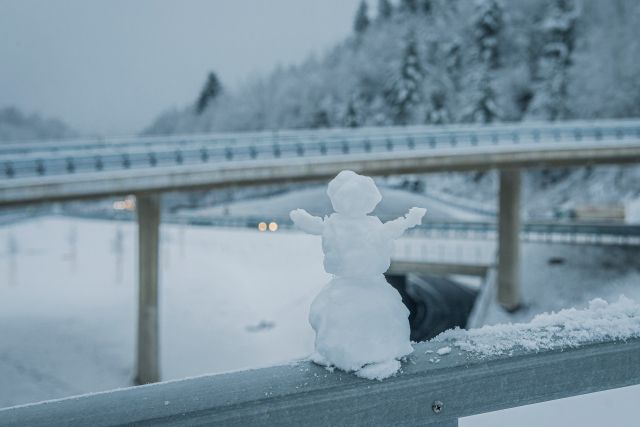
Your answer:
<point x="360" y="321"/>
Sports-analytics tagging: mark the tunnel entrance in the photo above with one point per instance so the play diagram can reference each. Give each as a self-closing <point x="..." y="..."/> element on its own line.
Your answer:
<point x="435" y="303"/>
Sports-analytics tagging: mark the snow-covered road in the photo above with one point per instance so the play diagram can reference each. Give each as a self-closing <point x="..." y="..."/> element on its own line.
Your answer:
<point x="68" y="299"/>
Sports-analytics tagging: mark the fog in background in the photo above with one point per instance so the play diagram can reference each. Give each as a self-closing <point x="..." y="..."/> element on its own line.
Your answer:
<point x="110" y="67"/>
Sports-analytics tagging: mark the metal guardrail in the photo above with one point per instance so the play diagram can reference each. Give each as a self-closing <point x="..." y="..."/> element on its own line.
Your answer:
<point x="68" y="158"/>
<point x="438" y="268"/>
<point x="424" y="393"/>
<point x="547" y="232"/>
<point x="296" y="135"/>
<point x="574" y="233"/>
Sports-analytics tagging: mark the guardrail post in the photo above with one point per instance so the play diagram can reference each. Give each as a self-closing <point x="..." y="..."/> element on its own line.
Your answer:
<point x="148" y="358"/>
<point x="509" y="240"/>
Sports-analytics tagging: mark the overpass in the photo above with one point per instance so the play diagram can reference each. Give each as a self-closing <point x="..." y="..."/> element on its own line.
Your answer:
<point x="84" y="169"/>
<point x="68" y="170"/>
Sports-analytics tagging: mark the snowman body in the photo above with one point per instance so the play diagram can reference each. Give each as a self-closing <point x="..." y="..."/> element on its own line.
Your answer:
<point x="355" y="246"/>
<point x="358" y="317"/>
<point x="360" y="321"/>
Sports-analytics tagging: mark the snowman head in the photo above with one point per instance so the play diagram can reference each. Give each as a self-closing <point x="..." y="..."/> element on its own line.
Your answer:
<point x="352" y="194"/>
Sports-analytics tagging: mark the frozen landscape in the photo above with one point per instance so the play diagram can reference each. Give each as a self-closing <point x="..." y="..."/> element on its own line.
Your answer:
<point x="515" y="123"/>
<point x="230" y="299"/>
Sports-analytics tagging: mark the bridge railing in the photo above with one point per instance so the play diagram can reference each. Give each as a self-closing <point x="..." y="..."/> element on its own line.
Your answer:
<point x="72" y="159"/>
<point x="547" y="232"/>
<point x="443" y="380"/>
<point x="295" y="135"/>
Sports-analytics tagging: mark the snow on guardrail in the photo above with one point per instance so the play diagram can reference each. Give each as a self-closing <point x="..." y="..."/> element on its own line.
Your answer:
<point x="568" y="328"/>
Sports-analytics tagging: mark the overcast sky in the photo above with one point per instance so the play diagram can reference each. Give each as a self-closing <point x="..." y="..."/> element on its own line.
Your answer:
<point x="110" y="66"/>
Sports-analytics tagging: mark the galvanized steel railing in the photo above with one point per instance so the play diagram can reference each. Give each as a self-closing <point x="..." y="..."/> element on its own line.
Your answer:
<point x="85" y="156"/>
<point x="573" y="233"/>
<point x="547" y="232"/>
<point x="424" y="393"/>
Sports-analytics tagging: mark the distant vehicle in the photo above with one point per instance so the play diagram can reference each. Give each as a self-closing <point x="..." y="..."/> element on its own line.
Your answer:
<point x="613" y="213"/>
<point x="592" y="213"/>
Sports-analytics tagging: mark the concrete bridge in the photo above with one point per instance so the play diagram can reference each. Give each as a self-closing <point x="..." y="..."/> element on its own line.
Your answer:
<point x="84" y="169"/>
<point x="70" y="170"/>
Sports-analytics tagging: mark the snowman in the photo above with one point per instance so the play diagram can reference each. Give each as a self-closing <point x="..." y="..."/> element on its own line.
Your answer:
<point x="360" y="321"/>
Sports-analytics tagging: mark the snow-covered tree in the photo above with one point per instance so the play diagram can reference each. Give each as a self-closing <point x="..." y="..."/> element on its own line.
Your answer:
<point x="351" y="115"/>
<point x="469" y="67"/>
<point x="320" y="119"/>
<point x="410" y="6"/>
<point x="361" y="21"/>
<point x="406" y="94"/>
<point x="16" y="125"/>
<point x="484" y="106"/>
<point x="487" y="25"/>
<point x="551" y="76"/>
<point x="425" y="6"/>
<point x="438" y="113"/>
<point x="385" y="9"/>
<point x="210" y="91"/>
<point x="453" y="62"/>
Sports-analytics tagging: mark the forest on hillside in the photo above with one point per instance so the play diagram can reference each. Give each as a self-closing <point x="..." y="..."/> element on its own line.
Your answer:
<point x="16" y="126"/>
<point x="443" y="61"/>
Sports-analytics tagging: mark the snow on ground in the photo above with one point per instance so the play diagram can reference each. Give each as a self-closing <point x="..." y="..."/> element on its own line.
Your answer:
<point x="230" y="299"/>
<point x="560" y="275"/>
<point x="632" y="211"/>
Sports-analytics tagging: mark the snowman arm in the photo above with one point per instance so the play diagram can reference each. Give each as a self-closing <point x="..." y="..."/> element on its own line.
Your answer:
<point x="395" y="228"/>
<point x="307" y="222"/>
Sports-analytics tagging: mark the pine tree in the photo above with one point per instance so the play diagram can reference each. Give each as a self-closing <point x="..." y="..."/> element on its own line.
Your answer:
<point x="210" y="91"/>
<point x="320" y="119"/>
<point x="488" y="24"/>
<point x="487" y="28"/>
<point x="351" y="115"/>
<point x="410" y="6"/>
<point x="425" y="6"/>
<point x="407" y="90"/>
<point x="486" y="109"/>
<point x="361" y="21"/>
<point x="438" y="113"/>
<point x="385" y="9"/>
<point x="453" y="62"/>
<point x="551" y="79"/>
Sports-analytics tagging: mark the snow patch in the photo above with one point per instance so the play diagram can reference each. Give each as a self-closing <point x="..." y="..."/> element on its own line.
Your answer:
<point x="632" y="212"/>
<point x="379" y="371"/>
<point x="601" y="321"/>
<point x="444" y="350"/>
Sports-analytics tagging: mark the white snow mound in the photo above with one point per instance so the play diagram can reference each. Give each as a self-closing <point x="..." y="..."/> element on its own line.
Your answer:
<point x="601" y="321"/>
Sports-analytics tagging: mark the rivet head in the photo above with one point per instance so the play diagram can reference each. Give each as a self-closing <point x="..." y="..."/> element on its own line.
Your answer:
<point x="437" y="406"/>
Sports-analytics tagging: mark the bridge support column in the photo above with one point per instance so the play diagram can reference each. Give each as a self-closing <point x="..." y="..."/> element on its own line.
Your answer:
<point x="148" y="357"/>
<point x="509" y="240"/>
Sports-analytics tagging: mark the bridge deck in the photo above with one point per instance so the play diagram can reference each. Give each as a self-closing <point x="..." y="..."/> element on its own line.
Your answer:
<point x="72" y="171"/>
